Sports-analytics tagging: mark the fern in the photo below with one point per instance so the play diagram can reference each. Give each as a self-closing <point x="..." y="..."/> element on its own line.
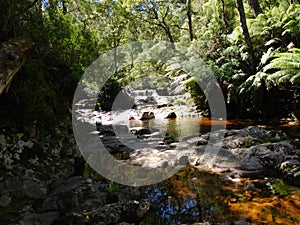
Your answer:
<point x="252" y="83"/>
<point x="288" y="66"/>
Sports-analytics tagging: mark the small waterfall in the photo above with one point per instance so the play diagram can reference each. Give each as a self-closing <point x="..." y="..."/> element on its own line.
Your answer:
<point x="143" y="93"/>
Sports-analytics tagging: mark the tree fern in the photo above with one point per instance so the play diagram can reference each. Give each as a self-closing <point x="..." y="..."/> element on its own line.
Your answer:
<point x="288" y="66"/>
<point x="253" y="82"/>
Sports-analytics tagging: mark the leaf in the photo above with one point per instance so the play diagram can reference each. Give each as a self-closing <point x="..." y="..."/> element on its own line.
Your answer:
<point x="287" y="31"/>
<point x="266" y="56"/>
<point x="296" y="78"/>
<point x="273" y="41"/>
<point x="291" y="24"/>
<point x="180" y="79"/>
<point x="189" y="81"/>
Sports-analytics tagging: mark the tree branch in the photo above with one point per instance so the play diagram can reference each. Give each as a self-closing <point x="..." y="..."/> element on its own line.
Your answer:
<point x="167" y="12"/>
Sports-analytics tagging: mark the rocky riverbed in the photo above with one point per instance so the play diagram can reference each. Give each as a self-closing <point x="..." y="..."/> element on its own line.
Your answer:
<point x="158" y="134"/>
<point x="235" y="153"/>
<point x="46" y="181"/>
<point x="41" y="182"/>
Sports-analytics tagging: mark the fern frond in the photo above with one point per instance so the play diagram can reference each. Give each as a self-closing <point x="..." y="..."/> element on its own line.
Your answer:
<point x="253" y="82"/>
<point x="296" y="78"/>
<point x="291" y="24"/>
<point x="189" y="81"/>
<point x="179" y="79"/>
<point x="285" y="78"/>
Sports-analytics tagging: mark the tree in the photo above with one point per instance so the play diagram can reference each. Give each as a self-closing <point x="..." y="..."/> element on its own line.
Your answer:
<point x="189" y="16"/>
<point x="247" y="38"/>
<point x="11" y="13"/>
<point x="158" y="14"/>
<point x="254" y="4"/>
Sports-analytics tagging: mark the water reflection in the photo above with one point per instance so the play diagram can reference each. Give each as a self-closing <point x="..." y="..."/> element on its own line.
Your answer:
<point x="189" y="196"/>
<point x="192" y="196"/>
<point x="191" y="125"/>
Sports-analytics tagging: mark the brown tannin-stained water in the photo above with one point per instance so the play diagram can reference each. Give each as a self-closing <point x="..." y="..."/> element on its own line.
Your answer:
<point x="192" y="196"/>
<point x="204" y="125"/>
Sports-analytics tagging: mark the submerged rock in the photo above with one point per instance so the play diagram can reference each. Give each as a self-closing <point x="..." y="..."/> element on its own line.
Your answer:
<point x="251" y="150"/>
<point x="129" y="211"/>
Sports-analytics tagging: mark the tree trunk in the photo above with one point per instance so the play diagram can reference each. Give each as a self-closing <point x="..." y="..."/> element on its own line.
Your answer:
<point x="64" y="5"/>
<point x="224" y="17"/>
<point x="254" y="4"/>
<point x="189" y="16"/>
<point x="170" y="36"/>
<point x="247" y="38"/>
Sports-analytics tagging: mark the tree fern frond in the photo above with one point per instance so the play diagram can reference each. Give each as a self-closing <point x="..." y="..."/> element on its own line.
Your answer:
<point x="179" y="79"/>
<point x="287" y="31"/>
<point x="296" y="78"/>
<point x="294" y="9"/>
<point x="285" y="78"/>
<point x="285" y="61"/>
<point x="173" y="66"/>
<point x="273" y="41"/>
<point x="291" y="24"/>
<point x="189" y="81"/>
<point x="173" y="70"/>
<point x="253" y="82"/>
<point x="284" y="64"/>
<point x="292" y="54"/>
<point x="295" y="50"/>
<point x="281" y="76"/>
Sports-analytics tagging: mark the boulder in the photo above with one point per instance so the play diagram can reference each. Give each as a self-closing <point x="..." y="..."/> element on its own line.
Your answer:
<point x="79" y="200"/>
<point x="171" y="115"/>
<point x="140" y="131"/>
<point x="147" y="116"/>
<point x="249" y="150"/>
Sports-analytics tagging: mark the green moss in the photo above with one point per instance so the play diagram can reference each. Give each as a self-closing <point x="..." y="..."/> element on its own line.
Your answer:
<point x="122" y="156"/>
<point x="248" y="143"/>
<point x="283" y="189"/>
<point x="243" y="200"/>
<point x="273" y="139"/>
<point x="112" y="189"/>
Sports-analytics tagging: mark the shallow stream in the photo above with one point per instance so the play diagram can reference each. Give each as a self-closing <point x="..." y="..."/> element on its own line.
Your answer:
<point x="192" y="195"/>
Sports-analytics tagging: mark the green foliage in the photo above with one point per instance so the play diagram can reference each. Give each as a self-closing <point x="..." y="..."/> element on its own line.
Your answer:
<point x="69" y="35"/>
<point x="113" y="189"/>
<point x="277" y="26"/>
<point x="288" y="64"/>
<point x="283" y="189"/>
<point x="11" y="17"/>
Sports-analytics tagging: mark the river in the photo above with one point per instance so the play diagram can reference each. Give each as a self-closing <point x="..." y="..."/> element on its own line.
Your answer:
<point x="195" y="195"/>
